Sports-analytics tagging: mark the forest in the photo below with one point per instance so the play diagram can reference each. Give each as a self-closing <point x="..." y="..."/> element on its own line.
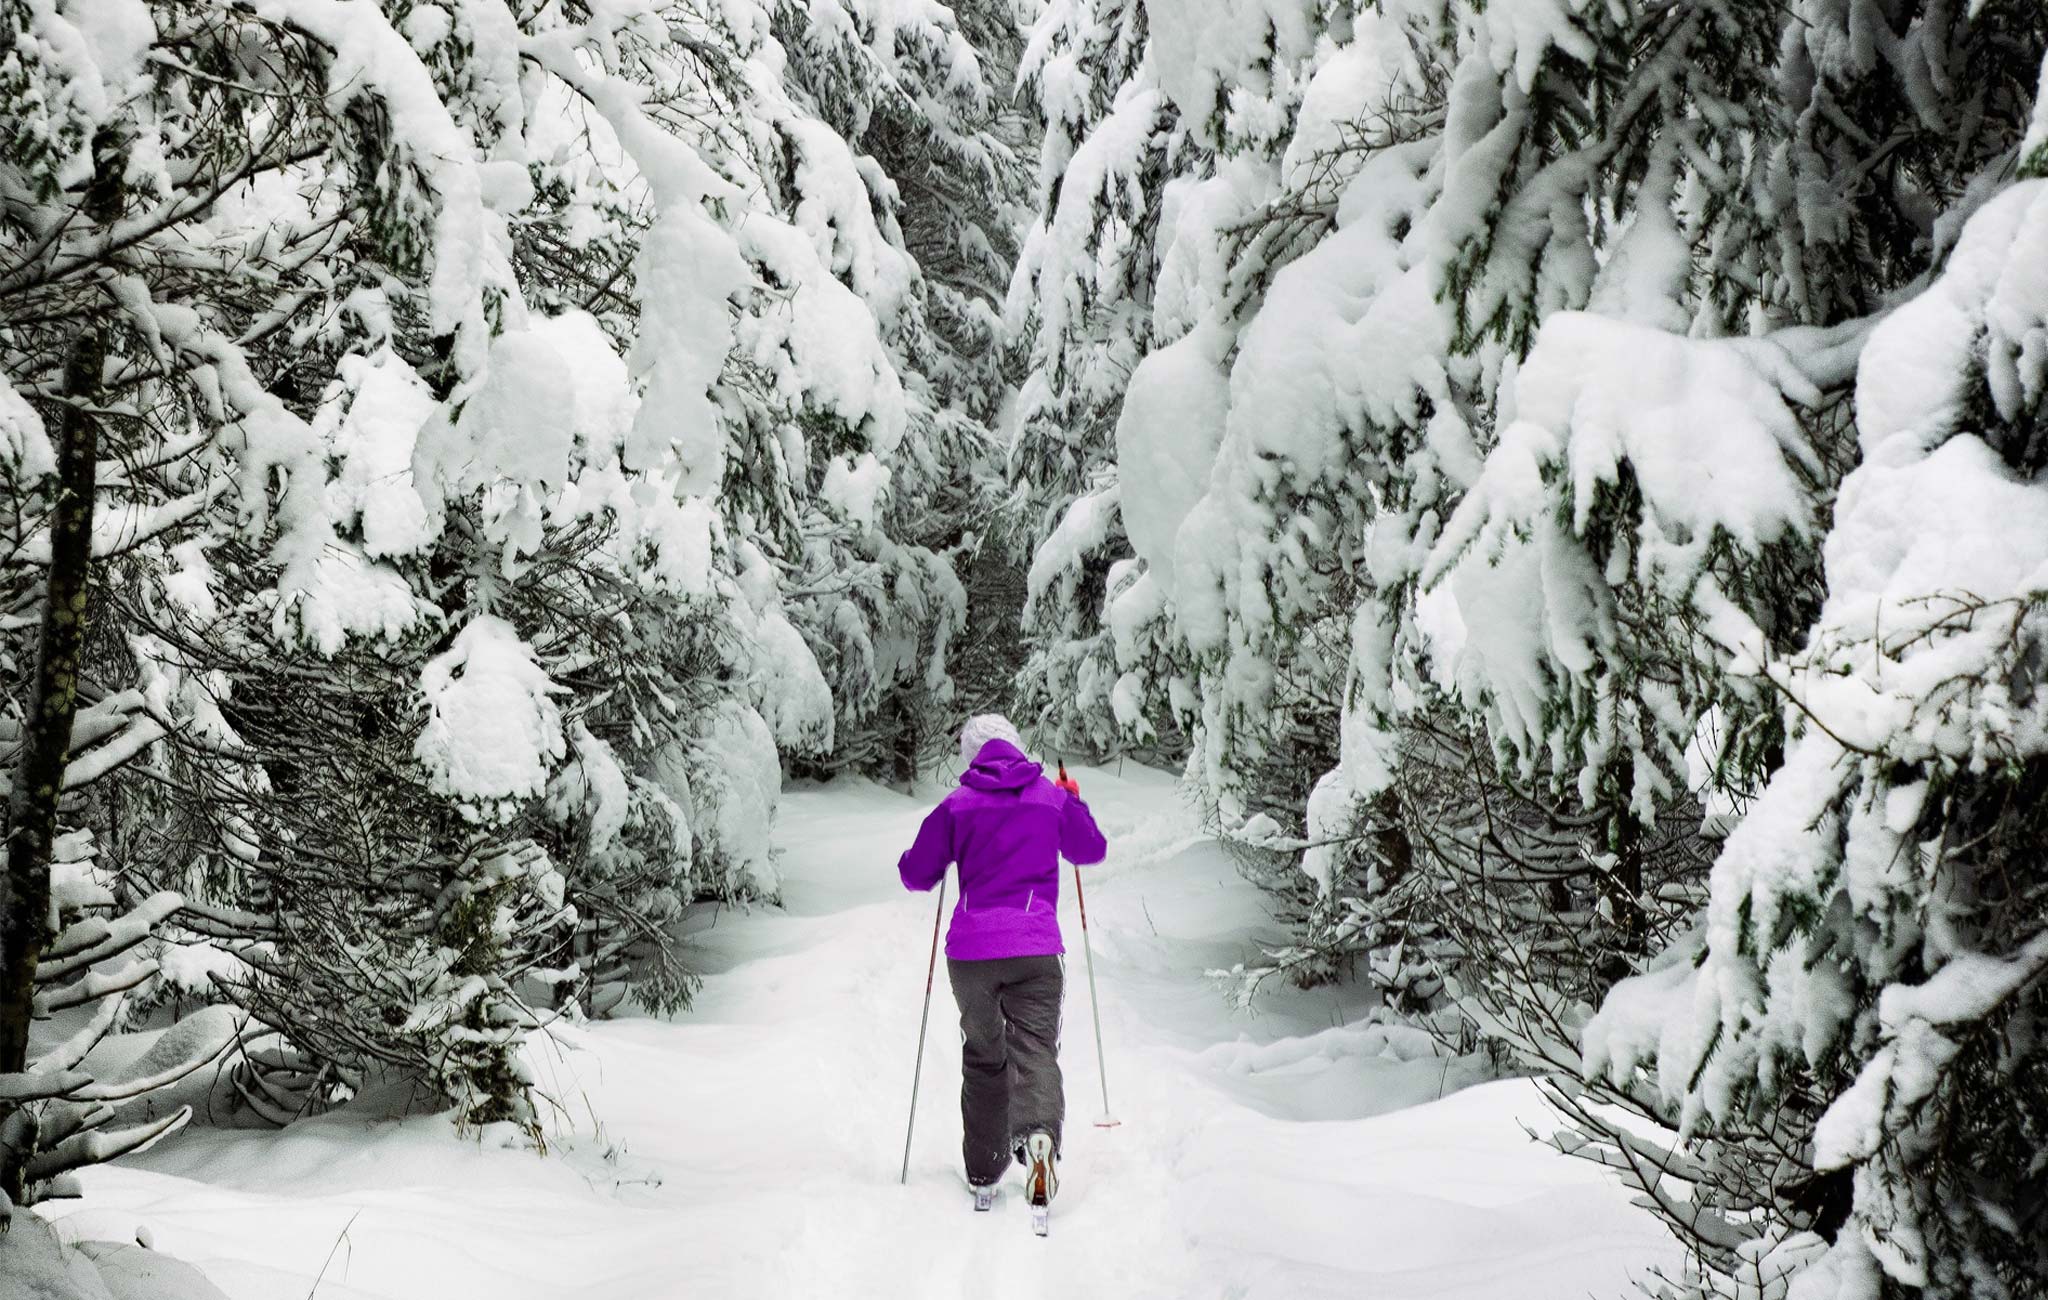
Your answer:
<point x="1560" y="487"/>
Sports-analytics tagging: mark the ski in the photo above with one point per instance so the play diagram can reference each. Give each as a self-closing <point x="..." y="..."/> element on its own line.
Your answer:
<point x="1041" y="1220"/>
<point x="984" y="1198"/>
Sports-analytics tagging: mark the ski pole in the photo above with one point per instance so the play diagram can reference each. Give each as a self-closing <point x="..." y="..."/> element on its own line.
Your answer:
<point x="1106" y="1120"/>
<point x="930" y="970"/>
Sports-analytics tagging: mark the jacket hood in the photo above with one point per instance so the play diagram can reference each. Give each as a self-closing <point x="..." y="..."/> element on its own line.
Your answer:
<point x="1000" y="765"/>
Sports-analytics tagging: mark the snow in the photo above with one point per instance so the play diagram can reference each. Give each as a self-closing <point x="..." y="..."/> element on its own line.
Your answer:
<point x="369" y="57"/>
<point x="93" y="50"/>
<point x="35" y="1264"/>
<point x="192" y="968"/>
<point x="749" y="1147"/>
<point x="425" y="27"/>
<point x="1643" y="1021"/>
<point x="666" y="543"/>
<point x="1352" y="82"/>
<point x="685" y="274"/>
<point x="1166" y="441"/>
<point x="1084" y="527"/>
<point x="837" y="214"/>
<point x="601" y="404"/>
<point x="552" y="405"/>
<point x="854" y="485"/>
<point x="1907" y="1068"/>
<point x="1703" y="425"/>
<point x="1644" y="277"/>
<point x="1332" y="808"/>
<point x="78" y="881"/>
<point x="1704" y="432"/>
<point x="683" y="266"/>
<point x="1966" y="989"/>
<point x="1195" y="216"/>
<point x="1201" y="48"/>
<point x="729" y="779"/>
<point x="1503" y="644"/>
<point x="1991" y="302"/>
<point x="520" y="425"/>
<point x="1937" y="551"/>
<point x="595" y="785"/>
<point x="344" y="594"/>
<point x="1521" y="32"/>
<point x="190" y="585"/>
<point x="789" y="688"/>
<point x="1135" y="608"/>
<point x="1297" y="389"/>
<point x="25" y="450"/>
<point x="1060" y="252"/>
<point x="132" y="1271"/>
<point x="375" y="441"/>
<point x="818" y="338"/>
<point x="193" y="1043"/>
<point x="493" y="730"/>
<point x="1304" y="413"/>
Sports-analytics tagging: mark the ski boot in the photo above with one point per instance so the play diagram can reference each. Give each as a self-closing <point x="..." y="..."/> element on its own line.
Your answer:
<point x="1041" y="1180"/>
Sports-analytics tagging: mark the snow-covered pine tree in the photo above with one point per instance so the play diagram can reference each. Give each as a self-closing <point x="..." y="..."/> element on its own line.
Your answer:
<point x="1255" y="441"/>
<point x="865" y="381"/>
<point x="337" y="426"/>
<point x="1080" y="307"/>
<point x="1873" y="953"/>
<point x="1603" y="595"/>
<point x="1677" y="611"/>
<point x="1536" y="387"/>
<point x="1651" y="591"/>
<point x="1874" y="949"/>
<point x="63" y="924"/>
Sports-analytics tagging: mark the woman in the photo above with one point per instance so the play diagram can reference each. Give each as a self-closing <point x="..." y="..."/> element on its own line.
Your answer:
<point x="1006" y="826"/>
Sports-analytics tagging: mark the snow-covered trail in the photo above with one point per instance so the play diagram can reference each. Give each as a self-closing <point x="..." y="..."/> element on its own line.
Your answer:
<point x="750" y="1147"/>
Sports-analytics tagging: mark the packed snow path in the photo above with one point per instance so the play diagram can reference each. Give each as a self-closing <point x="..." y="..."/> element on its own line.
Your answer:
<point x="750" y="1146"/>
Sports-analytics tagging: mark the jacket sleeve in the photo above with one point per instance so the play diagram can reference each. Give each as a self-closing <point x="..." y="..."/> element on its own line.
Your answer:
<point x="924" y="865"/>
<point x="1080" y="842"/>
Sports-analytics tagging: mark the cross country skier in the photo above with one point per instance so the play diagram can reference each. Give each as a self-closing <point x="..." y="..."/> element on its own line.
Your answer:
<point x="1007" y="826"/>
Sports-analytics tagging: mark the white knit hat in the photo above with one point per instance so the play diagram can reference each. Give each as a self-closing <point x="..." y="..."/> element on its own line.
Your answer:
<point x="981" y="729"/>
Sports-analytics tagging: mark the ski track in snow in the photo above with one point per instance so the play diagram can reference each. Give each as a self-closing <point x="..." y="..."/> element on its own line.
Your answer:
<point x="750" y="1146"/>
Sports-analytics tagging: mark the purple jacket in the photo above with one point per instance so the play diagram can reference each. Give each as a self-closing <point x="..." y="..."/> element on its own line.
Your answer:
<point x="1007" y="827"/>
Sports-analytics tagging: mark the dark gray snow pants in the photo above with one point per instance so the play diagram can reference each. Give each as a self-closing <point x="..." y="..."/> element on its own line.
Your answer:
<point x="1009" y="1057"/>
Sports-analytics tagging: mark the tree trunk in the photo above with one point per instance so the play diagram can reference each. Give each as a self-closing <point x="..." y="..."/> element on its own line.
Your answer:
<point x="1624" y="888"/>
<point x="1392" y="848"/>
<point x="46" y="742"/>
